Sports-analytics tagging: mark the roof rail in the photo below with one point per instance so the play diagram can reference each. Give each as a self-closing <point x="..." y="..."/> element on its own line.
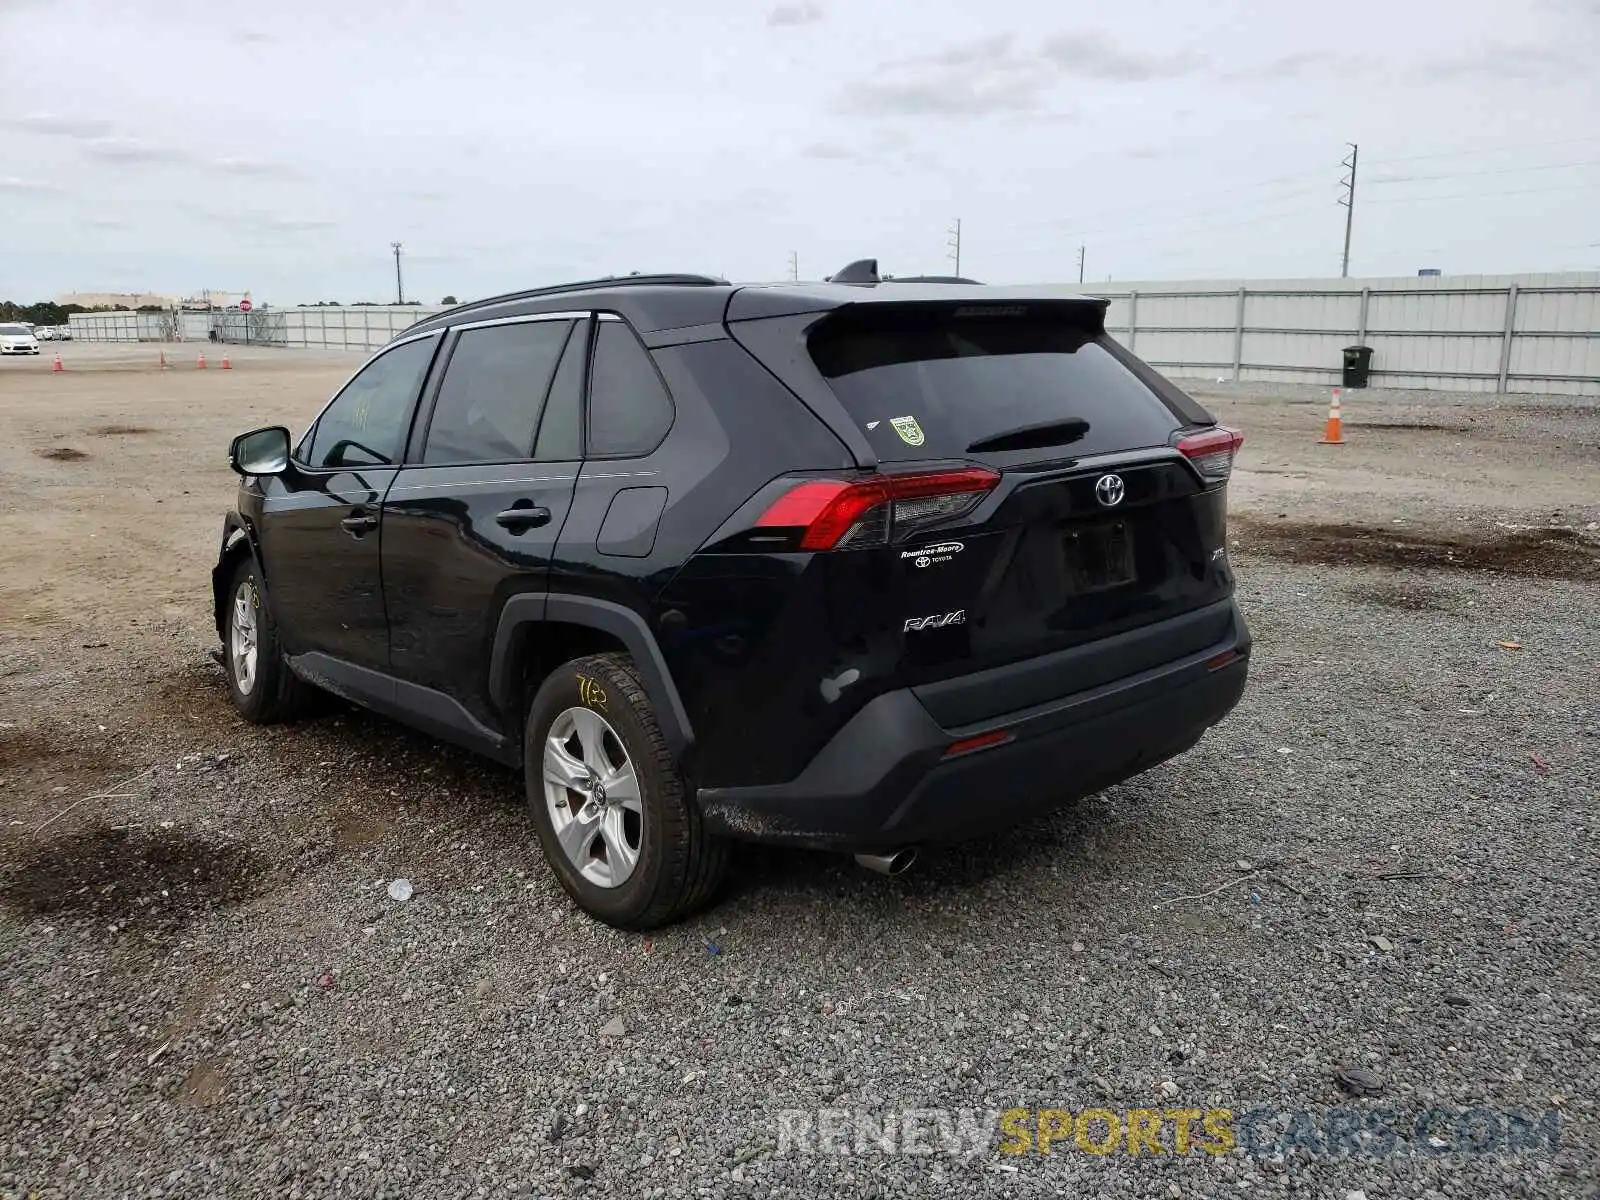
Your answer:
<point x="586" y="285"/>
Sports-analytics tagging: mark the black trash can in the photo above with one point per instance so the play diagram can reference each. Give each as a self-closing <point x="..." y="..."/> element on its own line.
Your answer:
<point x="1357" y="366"/>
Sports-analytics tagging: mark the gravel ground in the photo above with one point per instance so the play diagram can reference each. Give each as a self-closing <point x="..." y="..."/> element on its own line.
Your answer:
<point x="1386" y="858"/>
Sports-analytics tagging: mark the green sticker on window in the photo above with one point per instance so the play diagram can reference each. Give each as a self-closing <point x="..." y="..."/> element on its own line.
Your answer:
<point x="908" y="429"/>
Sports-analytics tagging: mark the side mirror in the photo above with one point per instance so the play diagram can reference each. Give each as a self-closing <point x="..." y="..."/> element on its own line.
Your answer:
<point x="260" y="452"/>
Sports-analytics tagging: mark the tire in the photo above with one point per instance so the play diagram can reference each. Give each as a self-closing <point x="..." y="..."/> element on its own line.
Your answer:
<point x="676" y="866"/>
<point x="272" y="693"/>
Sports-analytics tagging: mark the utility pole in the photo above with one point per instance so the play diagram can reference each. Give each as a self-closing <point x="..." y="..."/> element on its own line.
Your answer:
<point x="794" y="265"/>
<point x="1082" y="250"/>
<point x="955" y="243"/>
<point x="399" y="286"/>
<point x="1349" y="202"/>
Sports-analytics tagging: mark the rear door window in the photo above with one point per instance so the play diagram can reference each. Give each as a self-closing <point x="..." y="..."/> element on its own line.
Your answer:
<point x="493" y="391"/>
<point x="930" y="383"/>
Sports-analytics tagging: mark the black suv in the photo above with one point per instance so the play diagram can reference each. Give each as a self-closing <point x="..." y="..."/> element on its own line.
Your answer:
<point x="858" y="565"/>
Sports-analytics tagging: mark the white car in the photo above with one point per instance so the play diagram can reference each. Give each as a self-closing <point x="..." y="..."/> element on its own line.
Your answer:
<point x="44" y="333"/>
<point x="63" y="333"/>
<point x="18" y="339"/>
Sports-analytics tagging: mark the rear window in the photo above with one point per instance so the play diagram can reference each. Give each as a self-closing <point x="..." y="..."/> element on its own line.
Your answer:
<point x="929" y="385"/>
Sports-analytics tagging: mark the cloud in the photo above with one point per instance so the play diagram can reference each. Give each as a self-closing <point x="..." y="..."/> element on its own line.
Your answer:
<point x="975" y="79"/>
<point x="987" y="51"/>
<point x="1093" y="55"/>
<point x="1302" y="63"/>
<point x="105" y="223"/>
<point x="259" y="221"/>
<point x="134" y="152"/>
<point x="803" y="13"/>
<point x="255" y="168"/>
<point x="992" y="75"/>
<point x="10" y="183"/>
<point x="51" y="125"/>
<point x="253" y="37"/>
<point x="274" y="223"/>
<point x="830" y="150"/>
<point x="1545" y="63"/>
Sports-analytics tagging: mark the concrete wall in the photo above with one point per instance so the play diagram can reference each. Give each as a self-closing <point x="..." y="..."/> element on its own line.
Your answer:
<point x="1509" y="333"/>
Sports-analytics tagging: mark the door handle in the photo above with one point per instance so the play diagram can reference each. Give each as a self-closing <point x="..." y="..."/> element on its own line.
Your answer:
<point x="358" y="523"/>
<point x="519" y="519"/>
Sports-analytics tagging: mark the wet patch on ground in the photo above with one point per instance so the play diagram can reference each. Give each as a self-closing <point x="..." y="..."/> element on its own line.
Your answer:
<point x="62" y="454"/>
<point x="1533" y="553"/>
<point x="130" y="878"/>
<point x="1403" y="595"/>
<point x="119" y="430"/>
<point x="195" y="693"/>
<point x="25" y="747"/>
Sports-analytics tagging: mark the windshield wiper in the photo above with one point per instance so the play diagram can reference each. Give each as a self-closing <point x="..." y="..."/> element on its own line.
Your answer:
<point x="1028" y="437"/>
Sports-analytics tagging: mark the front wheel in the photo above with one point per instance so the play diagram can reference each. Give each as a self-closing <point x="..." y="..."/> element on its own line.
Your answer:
<point x="260" y="684"/>
<point x="611" y="810"/>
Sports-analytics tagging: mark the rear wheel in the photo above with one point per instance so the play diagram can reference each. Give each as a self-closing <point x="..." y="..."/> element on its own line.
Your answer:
<point x="611" y="810"/>
<point x="260" y="684"/>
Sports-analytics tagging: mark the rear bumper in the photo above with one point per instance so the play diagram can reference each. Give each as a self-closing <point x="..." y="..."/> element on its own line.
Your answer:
<point x="884" y="781"/>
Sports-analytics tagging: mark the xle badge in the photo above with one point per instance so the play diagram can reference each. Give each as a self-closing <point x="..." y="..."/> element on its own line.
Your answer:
<point x="908" y="429"/>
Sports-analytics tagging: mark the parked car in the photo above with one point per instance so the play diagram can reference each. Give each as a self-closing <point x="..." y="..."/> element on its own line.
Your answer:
<point x="858" y="565"/>
<point x="18" y="339"/>
<point x="63" y="333"/>
<point x="45" y="333"/>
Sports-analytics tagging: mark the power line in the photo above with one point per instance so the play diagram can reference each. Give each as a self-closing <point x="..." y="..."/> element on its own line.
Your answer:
<point x="1591" y="162"/>
<point x="1571" y="187"/>
<point x="1300" y="177"/>
<point x="1501" y="149"/>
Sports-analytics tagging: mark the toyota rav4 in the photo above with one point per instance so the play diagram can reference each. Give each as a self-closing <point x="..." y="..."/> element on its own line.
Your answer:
<point x="860" y="565"/>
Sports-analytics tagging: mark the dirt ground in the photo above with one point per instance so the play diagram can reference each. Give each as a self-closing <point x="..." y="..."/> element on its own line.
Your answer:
<point x="205" y="988"/>
<point x="114" y="467"/>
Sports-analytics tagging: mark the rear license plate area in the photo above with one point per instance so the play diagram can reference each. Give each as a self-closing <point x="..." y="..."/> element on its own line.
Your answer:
<point x="1098" y="557"/>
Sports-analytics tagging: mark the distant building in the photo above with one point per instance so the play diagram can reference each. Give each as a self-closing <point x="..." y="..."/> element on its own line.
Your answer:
<point x="118" y="300"/>
<point x="211" y="298"/>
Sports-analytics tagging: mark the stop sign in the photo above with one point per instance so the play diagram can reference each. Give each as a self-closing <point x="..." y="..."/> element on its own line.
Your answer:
<point x="245" y="306"/>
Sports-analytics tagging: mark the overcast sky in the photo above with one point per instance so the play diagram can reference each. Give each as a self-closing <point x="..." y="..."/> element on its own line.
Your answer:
<point x="174" y="145"/>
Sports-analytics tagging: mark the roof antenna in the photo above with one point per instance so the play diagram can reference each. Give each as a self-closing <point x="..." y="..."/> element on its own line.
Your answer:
<point x="863" y="270"/>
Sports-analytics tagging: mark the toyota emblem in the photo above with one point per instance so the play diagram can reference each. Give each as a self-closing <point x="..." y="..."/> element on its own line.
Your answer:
<point x="1109" y="490"/>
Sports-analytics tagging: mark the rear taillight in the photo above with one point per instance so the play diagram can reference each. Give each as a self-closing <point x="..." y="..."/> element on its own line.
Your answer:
<point x="838" y="515"/>
<point x="1212" y="452"/>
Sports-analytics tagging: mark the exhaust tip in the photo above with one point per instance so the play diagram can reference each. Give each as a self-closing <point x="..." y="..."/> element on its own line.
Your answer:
<point x="895" y="862"/>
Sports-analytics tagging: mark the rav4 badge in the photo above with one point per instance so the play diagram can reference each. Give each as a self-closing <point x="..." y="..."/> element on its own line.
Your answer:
<point x="936" y="620"/>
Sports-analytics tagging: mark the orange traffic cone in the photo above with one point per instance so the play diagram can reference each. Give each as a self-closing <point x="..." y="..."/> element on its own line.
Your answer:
<point x="226" y="365"/>
<point x="56" y="366"/>
<point x="201" y="363"/>
<point x="1333" y="435"/>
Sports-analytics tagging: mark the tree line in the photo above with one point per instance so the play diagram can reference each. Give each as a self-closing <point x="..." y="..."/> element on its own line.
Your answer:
<point x="44" y="312"/>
